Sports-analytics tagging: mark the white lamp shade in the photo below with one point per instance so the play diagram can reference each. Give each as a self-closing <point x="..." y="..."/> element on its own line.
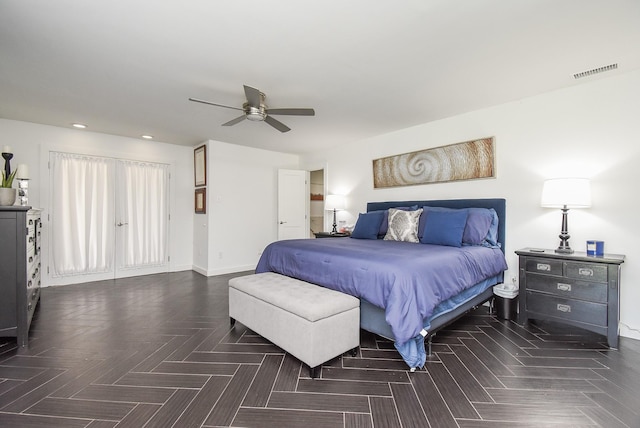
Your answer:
<point x="22" y="173"/>
<point x="569" y="192"/>
<point x="335" y="202"/>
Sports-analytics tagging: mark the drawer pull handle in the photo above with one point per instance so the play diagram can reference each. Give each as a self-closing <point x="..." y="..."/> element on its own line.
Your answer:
<point x="585" y="272"/>
<point x="544" y="267"/>
<point x="564" y="287"/>
<point x="563" y="308"/>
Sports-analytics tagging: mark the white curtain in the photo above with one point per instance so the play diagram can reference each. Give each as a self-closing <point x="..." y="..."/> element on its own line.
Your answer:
<point x="82" y="214"/>
<point x="142" y="212"/>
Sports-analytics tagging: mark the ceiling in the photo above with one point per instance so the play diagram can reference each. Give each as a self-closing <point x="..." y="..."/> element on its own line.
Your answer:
<point x="128" y="67"/>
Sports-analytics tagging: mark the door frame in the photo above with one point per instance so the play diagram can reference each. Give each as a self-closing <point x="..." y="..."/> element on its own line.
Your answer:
<point x="326" y="220"/>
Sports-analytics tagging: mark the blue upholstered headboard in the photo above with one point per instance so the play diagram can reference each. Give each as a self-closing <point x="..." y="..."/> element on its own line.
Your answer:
<point x="497" y="204"/>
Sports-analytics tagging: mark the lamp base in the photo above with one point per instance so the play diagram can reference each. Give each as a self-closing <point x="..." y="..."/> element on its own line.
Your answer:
<point x="564" y="236"/>
<point x="335" y="225"/>
<point x="564" y="250"/>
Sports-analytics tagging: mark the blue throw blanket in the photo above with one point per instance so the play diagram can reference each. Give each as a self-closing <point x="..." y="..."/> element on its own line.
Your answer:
<point x="407" y="280"/>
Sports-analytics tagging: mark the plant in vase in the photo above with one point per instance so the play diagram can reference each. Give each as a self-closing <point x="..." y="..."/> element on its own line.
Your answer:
<point x="7" y="193"/>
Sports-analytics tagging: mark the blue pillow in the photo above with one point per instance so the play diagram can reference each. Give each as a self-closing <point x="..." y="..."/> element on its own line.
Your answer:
<point x="481" y="227"/>
<point x="423" y="217"/>
<point x="368" y="225"/>
<point x="444" y="227"/>
<point x="491" y="239"/>
<point x="479" y="222"/>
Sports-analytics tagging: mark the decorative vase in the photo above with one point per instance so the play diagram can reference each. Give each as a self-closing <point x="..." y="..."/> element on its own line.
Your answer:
<point x="7" y="196"/>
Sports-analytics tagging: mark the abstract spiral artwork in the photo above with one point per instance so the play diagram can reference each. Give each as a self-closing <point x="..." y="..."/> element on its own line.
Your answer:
<point x="462" y="161"/>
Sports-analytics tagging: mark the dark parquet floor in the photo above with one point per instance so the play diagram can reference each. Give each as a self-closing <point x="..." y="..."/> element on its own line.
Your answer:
<point x="158" y="351"/>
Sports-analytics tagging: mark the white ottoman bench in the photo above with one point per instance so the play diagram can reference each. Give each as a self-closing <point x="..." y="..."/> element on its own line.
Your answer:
<point x="312" y="323"/>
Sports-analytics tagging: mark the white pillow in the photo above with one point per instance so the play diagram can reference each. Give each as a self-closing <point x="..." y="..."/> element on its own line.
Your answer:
<point x="403" y="225"/>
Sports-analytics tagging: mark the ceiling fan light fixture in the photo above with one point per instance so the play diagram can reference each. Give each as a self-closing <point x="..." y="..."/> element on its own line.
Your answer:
<point x="255" y="114"/>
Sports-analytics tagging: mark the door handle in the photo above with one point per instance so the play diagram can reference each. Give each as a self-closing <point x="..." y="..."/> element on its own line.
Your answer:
<point x="121" y="224"/>
<point x="282" y="222"/>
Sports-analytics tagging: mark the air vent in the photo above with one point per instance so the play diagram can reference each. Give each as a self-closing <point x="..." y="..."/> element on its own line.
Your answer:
<point x="595" y="71"/>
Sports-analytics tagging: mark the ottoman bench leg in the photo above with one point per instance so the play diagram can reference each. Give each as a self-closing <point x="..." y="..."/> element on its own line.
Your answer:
<point x="313" y="372"/>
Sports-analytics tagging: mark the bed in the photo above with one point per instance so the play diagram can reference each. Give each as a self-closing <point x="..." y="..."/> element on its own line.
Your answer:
<point x="408" y="290"/>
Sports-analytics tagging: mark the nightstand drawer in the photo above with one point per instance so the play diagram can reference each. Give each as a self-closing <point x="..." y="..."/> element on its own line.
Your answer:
<point x="587" y="271"/>
<point x="546" y="266"/>
<point x="574" y="310"/>
<point x="568" y="288"/>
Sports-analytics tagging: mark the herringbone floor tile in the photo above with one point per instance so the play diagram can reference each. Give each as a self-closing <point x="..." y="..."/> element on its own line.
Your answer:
<point x="158" y="351"/>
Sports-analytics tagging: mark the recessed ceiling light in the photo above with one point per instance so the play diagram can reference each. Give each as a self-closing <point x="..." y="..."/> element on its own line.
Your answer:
<point x="148" y="137"/>
<point x="78" y="125"/>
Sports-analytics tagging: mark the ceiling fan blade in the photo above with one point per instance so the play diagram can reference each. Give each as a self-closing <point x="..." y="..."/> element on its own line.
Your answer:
<point x="213" y="104"/>
<point x="277" y="124"/>
<point x="292" y="111"/>
<point x="253" y="96"/>
<point x="234" y="121"/>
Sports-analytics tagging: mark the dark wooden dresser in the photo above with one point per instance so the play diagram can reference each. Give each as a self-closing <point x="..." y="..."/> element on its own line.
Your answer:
<point x="575" y="289"/>
<point x="20" y="266"/>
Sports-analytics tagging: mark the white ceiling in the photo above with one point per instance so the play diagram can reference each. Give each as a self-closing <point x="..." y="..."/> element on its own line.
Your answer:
<point x="127" y="67"/>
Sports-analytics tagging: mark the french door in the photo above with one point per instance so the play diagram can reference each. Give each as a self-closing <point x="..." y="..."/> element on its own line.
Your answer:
<point x="109" y="218"/>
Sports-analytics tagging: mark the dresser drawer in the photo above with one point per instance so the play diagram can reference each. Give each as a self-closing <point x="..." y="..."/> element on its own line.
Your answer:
<point x="33" y="274"/>
<point x="574" y="310"/>
<point x="568" y="288"/>
<point x="31" y="257"/>
<point x="587" y="271"/>
<point x="546" y="266"/>
<point x="34" y="232"/>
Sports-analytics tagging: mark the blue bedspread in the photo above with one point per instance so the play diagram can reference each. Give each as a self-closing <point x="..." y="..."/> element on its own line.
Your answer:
<point x="407" y="280"/>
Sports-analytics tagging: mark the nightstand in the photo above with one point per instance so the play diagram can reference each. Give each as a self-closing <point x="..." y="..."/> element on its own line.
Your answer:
<point x="331" y="235"/>
<point x="574" y="289"/>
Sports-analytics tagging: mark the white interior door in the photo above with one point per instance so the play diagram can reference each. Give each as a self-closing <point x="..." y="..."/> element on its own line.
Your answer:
<point x="90" y="197"/>
<point x="293" y="204"/>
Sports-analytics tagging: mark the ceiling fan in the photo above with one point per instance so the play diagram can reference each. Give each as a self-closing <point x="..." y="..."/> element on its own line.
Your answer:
<point x="256" y="110"/>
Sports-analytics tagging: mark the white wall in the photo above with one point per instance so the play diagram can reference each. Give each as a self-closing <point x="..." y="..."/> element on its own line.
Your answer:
<point x="241" y="219"/>
<point x="31" y="144"/>
<point x="589" y="130"/>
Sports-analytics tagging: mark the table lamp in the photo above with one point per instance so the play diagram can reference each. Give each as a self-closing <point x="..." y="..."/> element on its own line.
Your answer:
<point x="335" y="203"/>
<point x="565" y="193"/>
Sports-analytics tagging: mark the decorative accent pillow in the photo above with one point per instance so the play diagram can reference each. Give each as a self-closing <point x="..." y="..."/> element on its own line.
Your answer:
<point x="384" y="226"/>
<point x="403" y="225"/>
<point x="368" y="225"/>
<point x="444" y="228"/>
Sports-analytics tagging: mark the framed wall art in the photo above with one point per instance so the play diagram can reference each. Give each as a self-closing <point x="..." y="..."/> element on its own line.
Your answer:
<point x="469" y="160"/>
<point x="201" y="201"/>
<point x="200" y="165"/>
